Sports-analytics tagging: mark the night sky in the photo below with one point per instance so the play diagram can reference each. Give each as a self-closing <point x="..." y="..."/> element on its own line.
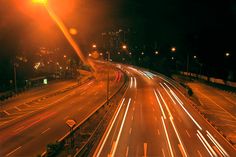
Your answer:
<point x="205" y="28"/>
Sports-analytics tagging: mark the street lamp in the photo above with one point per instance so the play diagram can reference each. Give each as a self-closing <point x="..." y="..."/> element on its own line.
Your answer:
<point x="124" y="47"/>
<point x="195" y="57"/>
<point x="156" y="52"/>
<point x="94" y="46"/>
<point x="227" y="54"/>
<point x="173" y="49"/>
<point x="40" y="1"/>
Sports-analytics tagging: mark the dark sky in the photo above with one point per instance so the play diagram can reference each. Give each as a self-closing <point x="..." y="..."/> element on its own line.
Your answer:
<point x="202" y="27"/>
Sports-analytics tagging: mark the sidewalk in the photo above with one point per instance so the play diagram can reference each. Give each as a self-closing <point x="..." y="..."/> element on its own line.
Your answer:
<point x="218" y="106"/>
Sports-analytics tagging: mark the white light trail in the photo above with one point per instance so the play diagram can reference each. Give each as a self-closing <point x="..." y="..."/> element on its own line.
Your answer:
<point x="167" y="137"/>
<point x="111" y="126"/>
<point x="208" y="145"/>
<point x="224" y="153"/>
<point x="181" y="104"/>
<point x="158" y="100"/>
<point x="121" y="128"/>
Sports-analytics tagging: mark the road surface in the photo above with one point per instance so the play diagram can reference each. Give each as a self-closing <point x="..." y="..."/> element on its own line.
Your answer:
<point x="155" y="119"/>
<point x="29" y="135"/>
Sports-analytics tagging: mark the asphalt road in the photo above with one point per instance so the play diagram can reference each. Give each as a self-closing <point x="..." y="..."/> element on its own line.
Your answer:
<point x="29" y="135"/>
<point x="218" y="106"/>
<point x="155" y="119"/>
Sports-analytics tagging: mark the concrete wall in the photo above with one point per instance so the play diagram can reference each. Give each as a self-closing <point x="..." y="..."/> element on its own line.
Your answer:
<point x="211" y="79"/>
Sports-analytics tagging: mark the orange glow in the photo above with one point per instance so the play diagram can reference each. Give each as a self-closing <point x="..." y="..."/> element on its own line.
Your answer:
<point x="173" y="49"/>
<point x="73" y="31"/>
<point x="94" y="46"/>
<point x="124" y="47"/>
<point x="40" y="1"/>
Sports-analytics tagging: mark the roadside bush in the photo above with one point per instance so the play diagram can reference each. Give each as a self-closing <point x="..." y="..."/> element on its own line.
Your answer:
<point x="53" y="149"/>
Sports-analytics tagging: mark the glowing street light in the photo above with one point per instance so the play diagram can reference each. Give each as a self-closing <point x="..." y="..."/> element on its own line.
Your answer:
<point x="173" y="49"/>
<point x="156" y="52"/>
<point x="94" y="46"/>
<point x="227" y="54"/>
<point x="194" y="56"/>
<point x="124" y="47"/>
<point x="40" y="1"/>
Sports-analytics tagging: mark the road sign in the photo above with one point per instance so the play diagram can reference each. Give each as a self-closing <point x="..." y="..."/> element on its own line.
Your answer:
<point x="71" y="123"/>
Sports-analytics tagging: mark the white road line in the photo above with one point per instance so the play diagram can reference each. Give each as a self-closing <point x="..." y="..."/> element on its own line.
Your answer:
<point x="132" y="118"/>
<point x="199" y="153"/>
<point x="181" y="104"/>
<point x="158" y="131"/>
<point x="145" y="149"/>
<point x="188" y="133"/>
<point x="158" y="100"/>
<point x="45" y="131"/>
<point x="163" y="152"/>
<point x="208" y="145"/>
<point x="13" y="151"/>
<point x="7" y="113"/>
<point x="167" y="137"/>
<point x="105" y="139"/>
<point x="133" y="108"/>
<point x="17" y="108"/>
<point x="127" y="151"/>
<point x="121" y="128"/>
<point x="224" y="153"/>
<point x="130" y="130"/>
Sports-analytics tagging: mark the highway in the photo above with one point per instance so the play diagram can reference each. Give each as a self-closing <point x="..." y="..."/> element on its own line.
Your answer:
<point x="29" y="134"/>
<point x="155" y="119"/>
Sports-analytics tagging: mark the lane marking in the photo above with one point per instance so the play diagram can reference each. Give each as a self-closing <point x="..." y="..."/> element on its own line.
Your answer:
<point x="121" y="128"/>
<point x="132" y="118"/>
<point x="105" y="139"/>
<point x="45" y="131"/>
<point x="158" y="100"/>
<point x="7" y="113"/>
<point x="130" y="130"/>
<point x="217" y="144"/>
<point x="167" y="137"/>
<point x="163" y="152"/>
<point x="188" y="133"/>
<point x="133" y="108"/>
<point x="158" y="131"/>
<point x="17" y="108"/>
<point x="145" y="149"/>
<point x="66" y="117"/>
<point x="14" y="151"/>
<point x="127" y="151"/>
<point x="199" y="153"/>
